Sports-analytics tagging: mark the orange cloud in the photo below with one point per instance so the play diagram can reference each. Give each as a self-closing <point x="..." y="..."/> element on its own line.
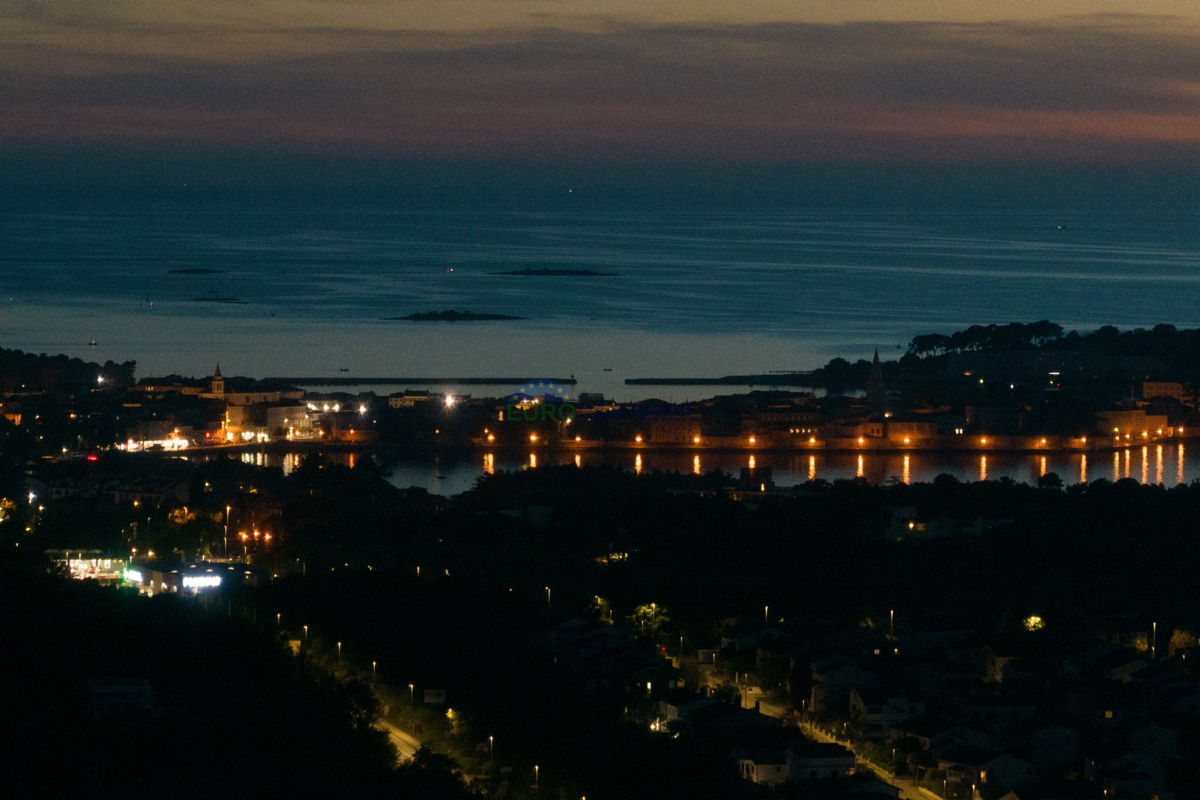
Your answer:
<point x="1116" y="89"/>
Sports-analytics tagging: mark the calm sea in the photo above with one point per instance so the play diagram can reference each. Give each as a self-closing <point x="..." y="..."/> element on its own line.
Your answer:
<point x="699" y="293"/>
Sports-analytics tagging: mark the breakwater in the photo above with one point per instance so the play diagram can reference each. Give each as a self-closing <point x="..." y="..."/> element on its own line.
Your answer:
<point x="346" y="380"/>
<point x="770" y="379"/>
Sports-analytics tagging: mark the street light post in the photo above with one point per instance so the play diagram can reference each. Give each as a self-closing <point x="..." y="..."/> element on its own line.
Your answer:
<point x="492" y="747"/>
<point x="411" y="704"/>
<point x="339" y="652"/>
<point x="374" y="674"/>
<point x="535" y="777"/>
<point x="305" y="635"/>
<point x="227" y="531"/>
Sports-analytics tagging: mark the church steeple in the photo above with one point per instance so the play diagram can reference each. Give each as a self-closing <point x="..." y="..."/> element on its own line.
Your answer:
<point x="217" y="384"/>
<point x="876" y="391"/>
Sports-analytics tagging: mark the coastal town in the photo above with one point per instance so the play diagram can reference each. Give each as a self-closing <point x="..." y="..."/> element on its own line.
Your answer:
<point x="718" y="636"/>
<point x="986" y="394"/>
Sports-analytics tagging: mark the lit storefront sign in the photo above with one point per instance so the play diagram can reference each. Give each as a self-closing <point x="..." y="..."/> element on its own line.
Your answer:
<point x="201" y="581"/>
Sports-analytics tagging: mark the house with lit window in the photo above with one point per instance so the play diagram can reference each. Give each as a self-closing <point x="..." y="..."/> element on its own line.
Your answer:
<point x="985" y="768"/>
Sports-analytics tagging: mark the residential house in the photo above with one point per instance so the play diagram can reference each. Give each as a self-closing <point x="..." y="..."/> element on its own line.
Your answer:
<point x="674" y="706"/>
<point x="809" y="761"/>
<point x="1054" y="746"/>
<point x="879" y="711"/>
<point x="834" y="678"/>
<point x="998" y="709"/>
<point x="768" y="767"/>
<point x="981" y="767"/>
<point x="1155" y="741"/>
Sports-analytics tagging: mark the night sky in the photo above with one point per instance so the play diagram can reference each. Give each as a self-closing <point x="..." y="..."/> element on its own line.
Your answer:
<point x="891" y="81"/>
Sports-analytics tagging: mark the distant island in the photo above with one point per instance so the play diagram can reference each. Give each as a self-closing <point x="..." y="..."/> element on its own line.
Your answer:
<point x="451" y="316"/>
<point x="229" y="300"/>
<point x="196" y="272"/>
<point x="557" y="273"/>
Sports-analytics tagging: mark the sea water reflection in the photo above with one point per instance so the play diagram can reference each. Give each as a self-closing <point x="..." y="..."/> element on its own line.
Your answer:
<point x="1169" y="464"/>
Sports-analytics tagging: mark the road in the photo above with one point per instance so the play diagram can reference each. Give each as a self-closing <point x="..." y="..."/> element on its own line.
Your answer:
<point x="406" y="745"/>
<point x="907" y="790"/>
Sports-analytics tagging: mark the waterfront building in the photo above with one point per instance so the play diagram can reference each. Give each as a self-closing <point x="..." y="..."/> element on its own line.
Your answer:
<point x="1132" y="425"/>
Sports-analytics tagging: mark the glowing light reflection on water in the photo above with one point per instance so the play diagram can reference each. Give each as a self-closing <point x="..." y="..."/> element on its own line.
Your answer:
<point x="452" y="474"/>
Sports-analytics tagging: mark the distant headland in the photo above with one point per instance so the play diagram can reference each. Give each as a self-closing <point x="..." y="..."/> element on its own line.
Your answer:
<point x="451" y="316"/>
<point x="196" y="272"/>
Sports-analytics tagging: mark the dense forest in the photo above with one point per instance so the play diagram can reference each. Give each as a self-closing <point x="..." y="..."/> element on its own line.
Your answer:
<point x="1170" y="353"/>
<point x="27" y="372"/>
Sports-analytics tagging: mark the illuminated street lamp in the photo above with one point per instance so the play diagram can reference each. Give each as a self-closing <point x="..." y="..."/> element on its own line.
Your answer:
<point x="410" y="696"/>
<point x="339" y="645"/>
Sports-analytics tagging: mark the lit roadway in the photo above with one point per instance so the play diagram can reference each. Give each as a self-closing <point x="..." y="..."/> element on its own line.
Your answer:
<point x="406" y="745"/>
<point x="907" y="790"/>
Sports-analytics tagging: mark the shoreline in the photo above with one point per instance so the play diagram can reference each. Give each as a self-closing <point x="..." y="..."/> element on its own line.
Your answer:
<point x="868" y="447"/>
<point x="813" y="449"/>
<point x="350" y="381"/>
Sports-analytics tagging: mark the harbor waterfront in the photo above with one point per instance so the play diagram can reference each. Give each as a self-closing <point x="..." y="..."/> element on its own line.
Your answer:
<point x="454" y="471"/>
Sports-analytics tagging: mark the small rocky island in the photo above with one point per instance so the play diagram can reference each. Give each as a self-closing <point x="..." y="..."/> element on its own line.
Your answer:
<point x="557" y="273"/>
<point x="196" y="271"/>
<point x="451" y="316"/>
